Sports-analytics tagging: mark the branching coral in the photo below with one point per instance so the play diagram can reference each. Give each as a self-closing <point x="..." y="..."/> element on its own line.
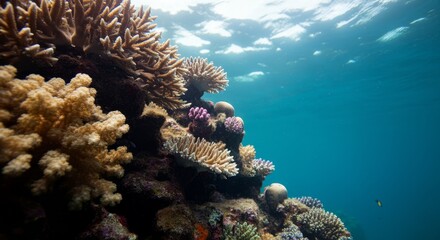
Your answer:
<point x="204" y="76"/>
<point x="241" y="231"/>
<point x="234" y="125"/>
<point x="262" y="167"/>
<point x="322" y="224"/>
<point x="247" y="155"/>
<point x="59" y="126"/>
<point x="291" y="233"/>
<point x="201" y="153"/>
<point x="311" y="202"/>
<point x="111" y="28"/>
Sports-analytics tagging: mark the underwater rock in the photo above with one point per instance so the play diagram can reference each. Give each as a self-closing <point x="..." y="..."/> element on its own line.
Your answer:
<point x="107" y="226"/>
<point x="175" y="223"/>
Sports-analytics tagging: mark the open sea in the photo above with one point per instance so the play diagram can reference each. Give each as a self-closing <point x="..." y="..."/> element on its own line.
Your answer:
<point x="349" y="115"/>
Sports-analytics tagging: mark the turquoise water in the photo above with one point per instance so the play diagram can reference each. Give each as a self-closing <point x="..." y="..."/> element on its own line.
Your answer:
<point x="356" y="122"/>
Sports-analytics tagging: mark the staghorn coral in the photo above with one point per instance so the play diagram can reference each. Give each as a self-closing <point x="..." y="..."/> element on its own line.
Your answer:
<point x="204" y="76"/>
<point x="241" y="231"/>
<point x="59" y="126"/>
<point x="262" y="167"/>
<point x="322" y="225"/>
<point x="201" y="153"/>
<point x="43" y="30"/>
<point x="311" y="202"/>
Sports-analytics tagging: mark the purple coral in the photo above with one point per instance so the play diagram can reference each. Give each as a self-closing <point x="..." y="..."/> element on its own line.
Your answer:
<point x="310" y="202"/>
<point x="198" y="114"/>
<point x="234" y="125"/>
<point x="263" y="167"/>
<point x="291" y="233"/>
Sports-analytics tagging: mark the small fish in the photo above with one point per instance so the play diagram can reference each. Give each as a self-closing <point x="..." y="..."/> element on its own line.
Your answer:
<point x="379" y="203"/>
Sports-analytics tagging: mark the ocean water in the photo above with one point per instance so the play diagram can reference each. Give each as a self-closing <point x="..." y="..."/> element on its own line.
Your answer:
<point x="349" y="115"/>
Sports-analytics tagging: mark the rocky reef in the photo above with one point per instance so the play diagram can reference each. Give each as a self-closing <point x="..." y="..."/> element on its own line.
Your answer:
<point x="104" y="134"/>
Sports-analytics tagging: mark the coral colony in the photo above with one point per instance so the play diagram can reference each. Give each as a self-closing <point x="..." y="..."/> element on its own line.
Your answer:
<point x="104" y="135"/>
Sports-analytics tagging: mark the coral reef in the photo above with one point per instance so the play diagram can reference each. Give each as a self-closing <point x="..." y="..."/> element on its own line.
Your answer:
<point x="125" y="147"/>
<point x="291" y="233"/>
<point x="275" y="194"/>
<point x="322" y="224"/>
<point x="59" y="126"/>
<point x="262" y="167"/>
<point x="200" y="125"/>
<point x="202" y="154"/>
<point x="234" y="125"/>
<point x="224" y="107"/>
<point x="311" y="202"/>
<point x="42" y="31"/>
<point x="241" y="231"/>
<point x="202" y="76"/>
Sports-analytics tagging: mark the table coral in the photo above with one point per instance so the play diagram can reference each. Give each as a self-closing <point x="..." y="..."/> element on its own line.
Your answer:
<point x="59" y="126"/>
<point x="40" y="31"/>
<point x="203" y="154"/>
<point x="204" y="76"/>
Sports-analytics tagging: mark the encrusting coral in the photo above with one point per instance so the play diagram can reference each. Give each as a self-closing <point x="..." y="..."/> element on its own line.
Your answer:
<point x="202" y="154"/>
<point x="42" y="30"/>
<point x="59" y="126"/>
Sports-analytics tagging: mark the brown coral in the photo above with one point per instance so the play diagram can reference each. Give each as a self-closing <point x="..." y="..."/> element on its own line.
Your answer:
<point x="42" y="29"/>
<point x="201" y="153"/>
<point x="322" y="224"/>
<point x="204" y="76"/>
<point x="59" y="126"/>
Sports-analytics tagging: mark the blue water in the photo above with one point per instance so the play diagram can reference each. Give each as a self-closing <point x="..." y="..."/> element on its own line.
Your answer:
<point x="351" y="133"/>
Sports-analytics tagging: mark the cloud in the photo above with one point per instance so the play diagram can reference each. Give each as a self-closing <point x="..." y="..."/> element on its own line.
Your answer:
<point x="214" y="27"/>
<point x="316" y="53"/>
<point x="186" y="38"/>
<point x="292" y="32"/>
<point x="204" y="51"/>
<point x="236" y="49"/>
<point x="393" y="34"/>
<point x="351" y="61"/>
<point x="263" y="41"/>
<point x="250" y="77"/>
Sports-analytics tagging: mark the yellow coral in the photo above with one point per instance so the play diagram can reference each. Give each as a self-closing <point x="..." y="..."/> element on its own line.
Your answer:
<point x="59" y="126"/>
<point x="247" y="155"/>
<point x="204" y="76"/>
<point x="111" y="28"/>
<point x="201" y="153"/>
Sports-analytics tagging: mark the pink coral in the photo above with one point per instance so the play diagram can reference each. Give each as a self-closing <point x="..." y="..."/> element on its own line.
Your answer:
<point x="199" y="114"/>
<point x="234" y="125"/>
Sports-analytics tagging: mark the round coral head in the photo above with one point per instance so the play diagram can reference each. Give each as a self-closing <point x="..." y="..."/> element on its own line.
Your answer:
<point x="224" y="107"/>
